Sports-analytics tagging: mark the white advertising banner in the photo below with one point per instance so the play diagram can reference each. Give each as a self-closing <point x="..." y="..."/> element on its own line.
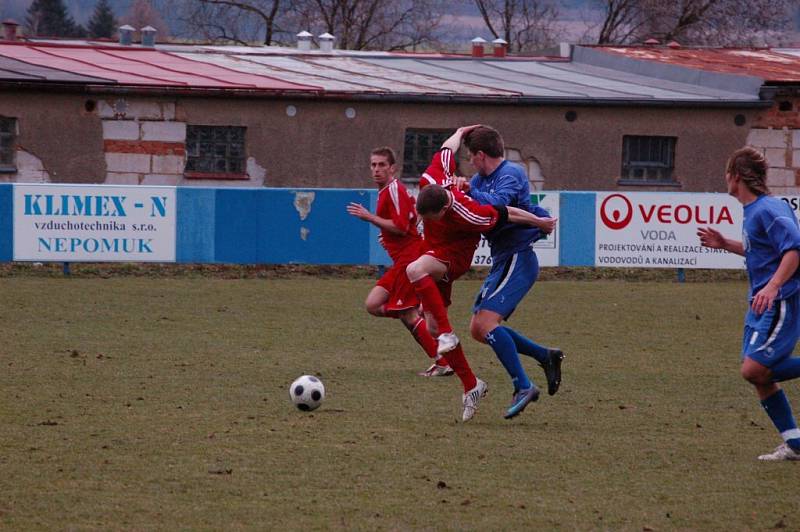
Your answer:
<point x="659" y="230"/>
<point x="94" y="223"/>
<point x="547" y="248"/>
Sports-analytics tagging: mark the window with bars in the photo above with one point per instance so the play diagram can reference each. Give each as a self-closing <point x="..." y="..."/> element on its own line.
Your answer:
<point x="8" y="136"/>
<point x="419" y="147"/>
<point x="215" y="152"/>
<point x="648" y="160"/>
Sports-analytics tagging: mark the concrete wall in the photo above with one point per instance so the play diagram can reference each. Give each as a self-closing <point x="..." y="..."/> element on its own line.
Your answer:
<point x="129" y="140"/>
<point x="777" y="133"/>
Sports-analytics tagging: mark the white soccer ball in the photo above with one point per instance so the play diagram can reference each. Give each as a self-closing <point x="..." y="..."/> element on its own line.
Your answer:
<point x="307" y="392"/>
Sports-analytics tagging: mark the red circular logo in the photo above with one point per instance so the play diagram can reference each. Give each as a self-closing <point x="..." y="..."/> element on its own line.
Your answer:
<point x="621" y="211"/>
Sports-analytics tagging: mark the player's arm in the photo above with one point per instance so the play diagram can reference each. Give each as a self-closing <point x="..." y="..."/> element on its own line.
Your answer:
<point x="523" y="217"/>
<point x="766" y="296"/>
<point x="454" y="142"/>
<point x="785" y="237"/>
<point x="711" y="238"/>
<point x="359" y="211"/>
<point x="506" y="191"/>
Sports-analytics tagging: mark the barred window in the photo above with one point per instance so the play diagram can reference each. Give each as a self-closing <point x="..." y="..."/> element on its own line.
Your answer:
<point x="420" y="145"/>
<point x="648" y="160"/>
<point x="8" y="136"/>
<point x="215" y="151"/>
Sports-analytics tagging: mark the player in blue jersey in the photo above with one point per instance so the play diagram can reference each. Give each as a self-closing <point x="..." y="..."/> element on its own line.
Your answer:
<point x="515" y="267"/>
<point x="771" y="247"/>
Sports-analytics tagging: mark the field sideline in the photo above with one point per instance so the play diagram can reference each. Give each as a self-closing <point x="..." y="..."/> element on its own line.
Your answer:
<point x="141" y="403"/>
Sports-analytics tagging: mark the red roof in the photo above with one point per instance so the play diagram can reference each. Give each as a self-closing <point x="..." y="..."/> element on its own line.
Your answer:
<point x="770" y="65"/>
<point x="136" y="66"/>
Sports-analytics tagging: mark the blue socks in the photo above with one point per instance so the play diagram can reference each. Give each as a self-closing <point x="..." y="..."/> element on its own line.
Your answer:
<point x="525" y="346"/>
<point x="780" y="412"/>
<point x="506" y="350"/>
<point x="787" y="370"/>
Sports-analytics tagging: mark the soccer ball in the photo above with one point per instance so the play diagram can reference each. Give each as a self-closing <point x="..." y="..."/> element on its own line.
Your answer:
<point x="307" y="392"/>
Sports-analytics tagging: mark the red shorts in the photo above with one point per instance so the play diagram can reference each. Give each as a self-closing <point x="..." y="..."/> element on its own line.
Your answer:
<point x="458" y="263"/>
<point x="401" y="293"/>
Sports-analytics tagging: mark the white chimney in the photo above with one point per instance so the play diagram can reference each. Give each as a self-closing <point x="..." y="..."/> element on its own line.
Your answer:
<point x="326" y="42"/>
<point x="304" y="41"/>
<point x="565" y="50"/>
<point x="126" y="35"/>
<point x="149" y="36"/>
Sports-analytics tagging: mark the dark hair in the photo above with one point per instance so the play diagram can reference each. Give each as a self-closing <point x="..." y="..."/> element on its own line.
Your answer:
<point x="749" y="165"/>
<point x="431" y="199"/>
<point x="385" y="151"/>
<point x="485" y="139"/>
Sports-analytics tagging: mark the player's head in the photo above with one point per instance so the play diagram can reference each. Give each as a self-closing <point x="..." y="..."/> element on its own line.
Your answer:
<point x="484" y="144"/>
<point x="432" y="202"/>
<point x="382" y="163"/>
<point x="747" y="166"/>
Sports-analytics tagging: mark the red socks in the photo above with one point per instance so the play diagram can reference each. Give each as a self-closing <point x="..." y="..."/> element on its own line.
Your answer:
<point x="459" y="363"/>
<point x="432" y="302"/>
<point x="419" y="330"/>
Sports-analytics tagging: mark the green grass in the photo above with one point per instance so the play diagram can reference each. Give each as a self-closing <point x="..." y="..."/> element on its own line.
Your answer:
<point x="141" y="403"/>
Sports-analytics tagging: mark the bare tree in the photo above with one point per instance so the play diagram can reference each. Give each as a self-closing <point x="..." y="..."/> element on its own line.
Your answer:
<point x="142" y="13"/>
<point x="623" y="20"/>
<point x="373" y="24"/>
<point x="356" y="24"/>
<point x="240" y="21"/>
<point x="524" y="24"/>
<point x="711" y="22"/>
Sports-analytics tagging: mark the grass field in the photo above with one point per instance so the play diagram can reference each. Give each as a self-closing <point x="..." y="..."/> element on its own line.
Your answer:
<point x="141" y="403"/>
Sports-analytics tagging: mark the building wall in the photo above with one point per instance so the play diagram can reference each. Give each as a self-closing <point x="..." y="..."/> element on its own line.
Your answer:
<point x="777" y="133"/>
<point x="304" y="143"/>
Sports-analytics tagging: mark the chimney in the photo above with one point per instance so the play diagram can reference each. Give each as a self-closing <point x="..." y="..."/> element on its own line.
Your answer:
<point x="10" y="30"/>
<point x="126" y="35"/>
<point x="149" y="36"/>
<point x="477" y="47"/>
<point x="326" y="42"/>
<point x="500" y="47"/>
<point x="565" y="50"/>
<point x="304" y="41"/>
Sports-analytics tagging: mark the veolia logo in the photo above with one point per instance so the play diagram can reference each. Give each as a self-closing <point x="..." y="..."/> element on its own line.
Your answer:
<point x="616" y="211"/>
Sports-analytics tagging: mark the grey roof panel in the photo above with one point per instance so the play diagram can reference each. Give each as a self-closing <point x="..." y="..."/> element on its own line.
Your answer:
<point x="622" y="84"/>
<point x="403" y="80"/>
<point x="12" y="69"/>
<point x="461" y="73"/>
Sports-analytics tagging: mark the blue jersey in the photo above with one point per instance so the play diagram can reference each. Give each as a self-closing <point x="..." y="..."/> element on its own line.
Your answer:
<point x="507" y="185"/>
<point x="769" y="230"/>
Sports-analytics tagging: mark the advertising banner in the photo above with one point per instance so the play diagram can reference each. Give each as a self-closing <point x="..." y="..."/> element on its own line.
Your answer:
<point x="94" y="223"/>
<point x="546" y="248"/>
<point x="659" y="230"/>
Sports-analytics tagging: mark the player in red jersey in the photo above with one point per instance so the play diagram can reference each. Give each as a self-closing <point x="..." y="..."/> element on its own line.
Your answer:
<point x="453" y="224"/>
<point x="393" y="296"/>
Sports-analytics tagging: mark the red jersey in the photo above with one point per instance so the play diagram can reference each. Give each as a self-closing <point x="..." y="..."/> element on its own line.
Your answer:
<point x="459" y="230"/>
<point x="397" y="205"/>
<point x="441" y="170"/>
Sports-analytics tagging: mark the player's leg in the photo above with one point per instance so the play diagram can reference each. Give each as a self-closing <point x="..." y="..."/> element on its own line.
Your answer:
<point x="485" y="327"/>
<point x="415" y="323"/>
<point x="423" y="274"/>
<point x="376" y="299"/>
<point x="788" y="369"/>
<point x="513" y="285"/>
<point x="768" y="340"/>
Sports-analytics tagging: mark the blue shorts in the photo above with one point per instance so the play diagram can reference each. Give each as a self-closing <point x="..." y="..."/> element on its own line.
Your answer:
<point x="507" y="283"/>
<point x="770" y="337"/>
